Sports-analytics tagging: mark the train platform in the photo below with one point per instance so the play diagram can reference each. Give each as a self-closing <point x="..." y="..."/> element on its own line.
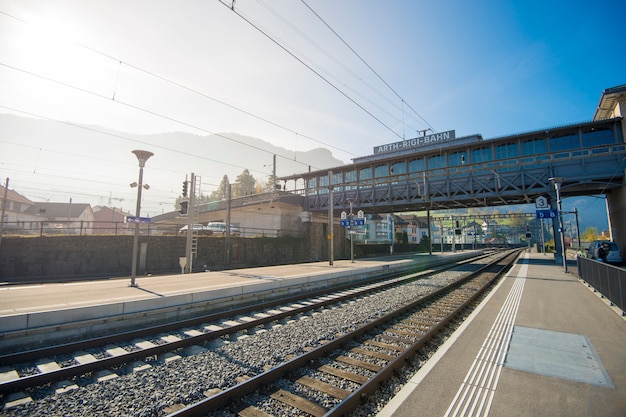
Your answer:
<point x="53" y="311"/>
<point x="541" y="344"/>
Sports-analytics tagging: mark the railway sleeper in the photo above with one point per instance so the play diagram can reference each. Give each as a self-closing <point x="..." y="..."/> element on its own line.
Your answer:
<point x="300" y="403"/>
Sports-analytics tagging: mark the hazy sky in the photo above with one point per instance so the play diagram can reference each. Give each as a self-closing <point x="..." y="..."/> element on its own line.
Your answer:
<point x="345" y="75"/>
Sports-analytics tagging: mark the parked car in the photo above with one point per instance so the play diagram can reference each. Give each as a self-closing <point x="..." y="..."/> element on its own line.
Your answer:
<point x="614" y="255"/>
<point x="199" y="227"/>
<point x="219" y="228"/>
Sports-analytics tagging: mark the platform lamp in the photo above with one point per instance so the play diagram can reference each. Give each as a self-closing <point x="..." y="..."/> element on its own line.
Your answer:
<point x="142" y="157"/>
<point x="557" y="181"/>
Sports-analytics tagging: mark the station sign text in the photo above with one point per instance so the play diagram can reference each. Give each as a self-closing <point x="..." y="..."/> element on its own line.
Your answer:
<point x="416" y="142"/>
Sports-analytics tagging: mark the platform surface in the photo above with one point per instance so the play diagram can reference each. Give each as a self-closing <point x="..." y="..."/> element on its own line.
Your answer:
<point x="541" y="344"/>
<point x="32" y="298"/>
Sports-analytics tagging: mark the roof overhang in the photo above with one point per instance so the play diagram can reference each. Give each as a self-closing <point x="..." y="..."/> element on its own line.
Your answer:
<point x="608" y="101"/>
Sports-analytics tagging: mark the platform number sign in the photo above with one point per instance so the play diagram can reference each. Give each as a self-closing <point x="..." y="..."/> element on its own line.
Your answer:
<point x="541" y="203"/>
<point x="547" y="214"/>
<point x="543" y="209"/>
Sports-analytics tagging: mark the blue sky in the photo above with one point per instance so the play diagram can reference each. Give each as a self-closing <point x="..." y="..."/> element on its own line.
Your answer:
<point x="489" y="67"/>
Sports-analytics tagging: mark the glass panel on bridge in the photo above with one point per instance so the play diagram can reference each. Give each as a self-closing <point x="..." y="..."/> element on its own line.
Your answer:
<point x="564" y="142"/>
<point x="599" y="136"/>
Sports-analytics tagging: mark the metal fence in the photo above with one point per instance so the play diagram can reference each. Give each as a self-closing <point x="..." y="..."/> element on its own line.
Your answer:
<point x="608" y="280"/>
<point x="111" y="228"/>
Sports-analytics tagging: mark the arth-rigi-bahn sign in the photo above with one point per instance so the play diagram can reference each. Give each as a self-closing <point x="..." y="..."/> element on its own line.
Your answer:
<point x="416" y="142"/>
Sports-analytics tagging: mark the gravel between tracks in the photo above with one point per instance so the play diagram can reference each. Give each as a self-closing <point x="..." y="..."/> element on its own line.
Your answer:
<point x="148" y="393"/>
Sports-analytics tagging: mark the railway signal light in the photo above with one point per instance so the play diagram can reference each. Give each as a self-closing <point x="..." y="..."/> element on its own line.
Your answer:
<point x="185" y="184"/>
<point x="184" y="207"/>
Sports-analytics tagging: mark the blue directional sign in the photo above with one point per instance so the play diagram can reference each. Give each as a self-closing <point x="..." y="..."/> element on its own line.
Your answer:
<point x="547" y="214"/>
<point x="135" y="219"/>
<point x="355" y="222"/>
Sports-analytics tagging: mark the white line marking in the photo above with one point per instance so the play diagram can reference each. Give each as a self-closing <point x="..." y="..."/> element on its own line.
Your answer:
<point x="475" y="395"/>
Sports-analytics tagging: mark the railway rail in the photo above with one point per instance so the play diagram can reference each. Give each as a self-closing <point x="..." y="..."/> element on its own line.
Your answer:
<point x="374" y="352"/>
<point x="70" y="362"/>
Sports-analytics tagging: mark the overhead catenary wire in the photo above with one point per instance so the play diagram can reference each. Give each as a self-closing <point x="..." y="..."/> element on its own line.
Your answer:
<point x="336" y="61"/>
<point x="313" y="70"/>
<point x="114" y="97"/>
<point x="368" y="65"/>
<point x="117" y="135"/>
<point x="120" y="63"/>
<point x="144" y="110"/>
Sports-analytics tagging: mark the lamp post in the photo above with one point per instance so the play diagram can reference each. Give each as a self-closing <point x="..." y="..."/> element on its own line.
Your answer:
<point x="557" y="187"/>
<point x="142" y="157"/>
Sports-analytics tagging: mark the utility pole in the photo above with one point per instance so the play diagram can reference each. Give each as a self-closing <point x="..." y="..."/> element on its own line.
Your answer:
<point x="430" y="241"/>
<point x="441" y="232"/>
<point x="577" y="226"/>
<point x="227" y="237"/>
<point x="350" y="232"/>
<point x="274" y="173"/>
<point x="331" y="252"/>
<point x="190" y="224"/>
<point x="4" y="205"/>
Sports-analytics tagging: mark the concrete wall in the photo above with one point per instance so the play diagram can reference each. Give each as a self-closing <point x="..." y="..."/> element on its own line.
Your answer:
<point x="617" y="214"/>
<point x="76" y="256"/>
<point x="89" y="256"/>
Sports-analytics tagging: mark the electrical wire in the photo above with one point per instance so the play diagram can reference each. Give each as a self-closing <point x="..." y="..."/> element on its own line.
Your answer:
<point x="335" y="60"/>
<point x="141" y="109"/>
<point x="92" y="129"/>
<point x="317" y="73"/>
<point x="186" y="88"/>
<point x="367" y="65"/>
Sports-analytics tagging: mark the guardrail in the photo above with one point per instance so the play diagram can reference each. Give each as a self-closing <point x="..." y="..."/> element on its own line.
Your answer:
<point x="608" y="280"/>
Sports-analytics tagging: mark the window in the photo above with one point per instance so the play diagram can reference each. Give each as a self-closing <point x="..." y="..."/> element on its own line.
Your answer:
<point x="417" y="165"/>
<point x="436" y="161"/>
<point x="456" y="159"/>
<point x="534" y="147"/>
<point x="381" y="171"/>
<point x="506" y="151"/>
<point x="365" y="174"/>
<point x="398" y="168"/>
<point x="350" y="177"/>
<point x="564" y="142"/>
<point x="597" y="136"/>
<point x="323" y="184"/>
<point x="338" y="181"/>
<point x="311" y="185"/>
<point x="481" y="155"/>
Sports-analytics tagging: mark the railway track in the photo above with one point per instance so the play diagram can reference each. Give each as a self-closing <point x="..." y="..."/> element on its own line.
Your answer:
<point x="357" y="362"/>
<point x="60" y="367"/>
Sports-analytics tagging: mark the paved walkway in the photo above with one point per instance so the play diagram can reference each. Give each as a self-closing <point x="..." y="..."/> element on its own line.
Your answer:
<point x="542" y="344"/>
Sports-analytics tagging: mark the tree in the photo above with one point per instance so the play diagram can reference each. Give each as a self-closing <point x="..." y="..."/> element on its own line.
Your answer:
<point x="589" y="235"/>
<point x="271" y="184"/>
<point x="244" y="185"/>
<point x="220" y="193"/>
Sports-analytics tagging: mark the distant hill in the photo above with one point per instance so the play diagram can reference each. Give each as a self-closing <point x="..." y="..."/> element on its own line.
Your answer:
<point x="225" y="149"/>
<point x="60" y="160"/>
